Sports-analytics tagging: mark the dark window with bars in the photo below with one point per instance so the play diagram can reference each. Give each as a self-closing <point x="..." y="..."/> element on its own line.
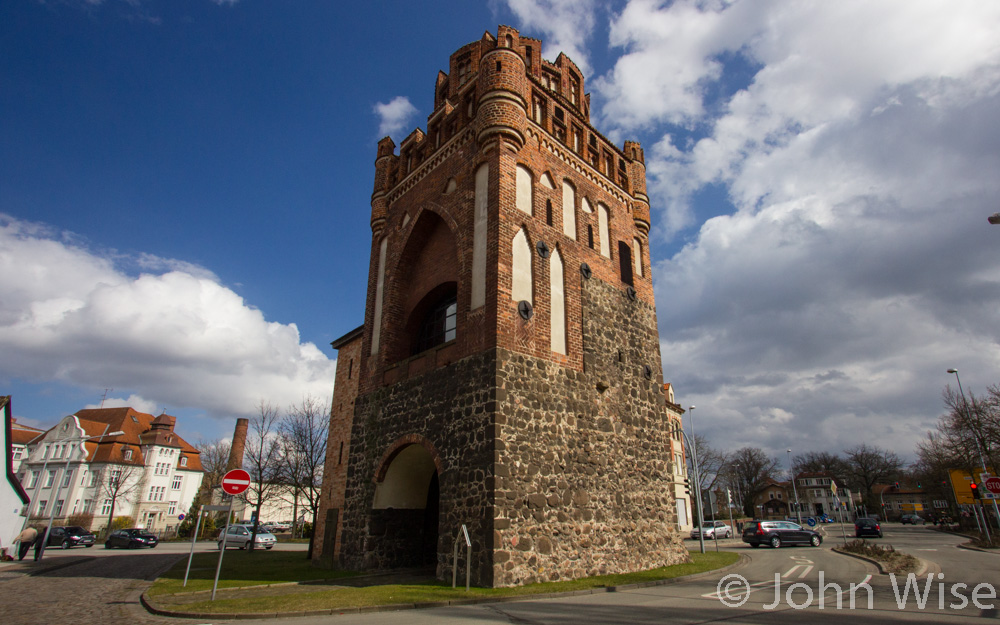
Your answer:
<point x="438" y="326"/>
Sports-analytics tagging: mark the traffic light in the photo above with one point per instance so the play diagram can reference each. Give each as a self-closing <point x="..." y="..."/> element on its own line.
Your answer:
<point x="687" y="486"/>
<point x="975" y="490"/>
<point x="919" y="485"/>
<point x="897" y="485"/>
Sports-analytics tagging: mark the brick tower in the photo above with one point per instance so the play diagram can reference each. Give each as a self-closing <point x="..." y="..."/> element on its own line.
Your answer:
<point x="507" y="376"/>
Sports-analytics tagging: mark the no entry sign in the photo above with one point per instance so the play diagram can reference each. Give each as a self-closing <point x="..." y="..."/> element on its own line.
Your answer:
<point x="236" y="481"/>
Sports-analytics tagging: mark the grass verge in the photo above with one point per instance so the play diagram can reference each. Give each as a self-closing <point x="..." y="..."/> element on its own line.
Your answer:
<point x="302" y="598"/>
<point x="892" y="561"/>
<point x="241" y="568"/>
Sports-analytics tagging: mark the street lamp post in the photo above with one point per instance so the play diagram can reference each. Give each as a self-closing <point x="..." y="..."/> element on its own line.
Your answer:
<point x="697" y="481"/>
<point x="798" y="512"/>
<point x="62" y="478"/>
<point x="979" y="449"/>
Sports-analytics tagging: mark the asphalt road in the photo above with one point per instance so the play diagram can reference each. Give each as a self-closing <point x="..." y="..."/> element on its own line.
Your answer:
<point x="102" y="591"/>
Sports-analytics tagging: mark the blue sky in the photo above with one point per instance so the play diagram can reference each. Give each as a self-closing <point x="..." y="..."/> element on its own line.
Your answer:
<point x="184" y="197"/>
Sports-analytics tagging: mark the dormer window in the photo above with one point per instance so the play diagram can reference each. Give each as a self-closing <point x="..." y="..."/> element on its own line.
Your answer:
<point x="184" y="461"/>
<point x="127" y="454"/>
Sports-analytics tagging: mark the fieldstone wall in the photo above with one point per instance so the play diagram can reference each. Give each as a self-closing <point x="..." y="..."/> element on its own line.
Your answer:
<point x="583" y="472"/>
<point x="451" y="409"/>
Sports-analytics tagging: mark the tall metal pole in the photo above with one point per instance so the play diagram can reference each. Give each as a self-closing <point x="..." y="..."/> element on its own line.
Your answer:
<point x="194" y="537"/>
<point x="791" y="474"/>
<point x="222" y="547"/>
<point x="975" y="436"/>
<point x="697" y="482"/>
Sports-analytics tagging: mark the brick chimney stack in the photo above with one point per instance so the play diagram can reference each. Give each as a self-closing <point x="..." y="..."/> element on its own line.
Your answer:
<point x="238" y="445"/>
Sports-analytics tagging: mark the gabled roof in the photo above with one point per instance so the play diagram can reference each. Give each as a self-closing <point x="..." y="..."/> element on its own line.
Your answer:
<point x="138" y="429"/>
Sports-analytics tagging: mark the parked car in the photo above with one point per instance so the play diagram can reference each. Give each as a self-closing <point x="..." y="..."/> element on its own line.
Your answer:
<point x="867" y="526"/>
<point x="912" y="519"/>
<point x="240" y="535"/>
<point x="712" y="530"/>
<point x="778" y="533"/>
<point x="70" y="536"/>
<point x="131" y="539"/>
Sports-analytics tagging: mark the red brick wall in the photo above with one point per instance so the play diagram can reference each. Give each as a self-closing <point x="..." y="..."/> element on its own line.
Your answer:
<point x="338" y="441"/>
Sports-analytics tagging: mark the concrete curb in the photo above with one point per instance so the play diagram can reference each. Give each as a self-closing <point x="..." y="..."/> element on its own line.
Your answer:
<point x="394" y="607"/>
<point x="926" y="566"/>
<point x="972" y="547"/>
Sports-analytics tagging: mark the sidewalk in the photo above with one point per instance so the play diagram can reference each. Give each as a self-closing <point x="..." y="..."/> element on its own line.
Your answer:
<point x="28" y="566"/>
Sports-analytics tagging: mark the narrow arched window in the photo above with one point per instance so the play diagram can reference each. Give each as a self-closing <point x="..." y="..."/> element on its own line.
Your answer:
<point x="557" y="299"/>
<point x="521" y="279"/>
<point x="569" y="210"/>
<point x="523" y="194"/>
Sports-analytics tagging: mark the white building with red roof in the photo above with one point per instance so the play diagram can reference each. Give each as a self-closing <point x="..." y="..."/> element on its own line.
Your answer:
<point x="112" y="462"/>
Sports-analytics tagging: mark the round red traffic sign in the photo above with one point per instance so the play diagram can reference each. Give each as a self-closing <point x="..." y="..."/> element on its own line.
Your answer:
<point x="236" y="481"/>
<point x="992" y="484"/>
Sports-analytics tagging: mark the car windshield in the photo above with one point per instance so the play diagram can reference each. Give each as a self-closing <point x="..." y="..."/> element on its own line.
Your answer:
<point x="75" y="529"/>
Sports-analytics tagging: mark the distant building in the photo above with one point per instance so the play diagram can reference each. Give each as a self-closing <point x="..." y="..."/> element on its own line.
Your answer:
<point x="820" y="492"/>
<point x="773" y="502"/>
<point x="147" y="472"/>
<point x="685" y="509"/>
<point x="898" y="499"/>
<point x="13" y="499"/>
<point x="20" y="437"/>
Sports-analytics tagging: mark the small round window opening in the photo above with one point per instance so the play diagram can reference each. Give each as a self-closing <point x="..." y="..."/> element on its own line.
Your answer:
<point x="525" y="309"/>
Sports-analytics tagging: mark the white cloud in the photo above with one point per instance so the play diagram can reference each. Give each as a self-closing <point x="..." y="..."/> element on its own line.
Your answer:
<point x="177" y="339"/>
<point x="564" y="26"/>
<point x="860" y="152"/>
<point x="394" y="115"/>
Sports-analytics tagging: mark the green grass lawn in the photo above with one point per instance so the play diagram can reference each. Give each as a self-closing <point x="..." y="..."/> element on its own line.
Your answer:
<point x="169" y="594"/>
<point x="242" y="568"/>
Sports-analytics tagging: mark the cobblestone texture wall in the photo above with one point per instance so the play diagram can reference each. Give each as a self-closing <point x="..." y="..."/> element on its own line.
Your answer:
<point x="583" y="458"/>
<point x="451" y="409"/>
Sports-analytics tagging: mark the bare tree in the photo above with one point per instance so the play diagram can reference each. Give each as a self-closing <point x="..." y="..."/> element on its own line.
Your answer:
<point x="119" y="481"/>
<point x="820" y="462"/>
<point x="262" y="460"/>
<point x="214" y="455"/>
<point x="711" y="461"/>
<point x="303" y="434"/>
<point x="749" y="470"/>
<point x="868" y="465"/>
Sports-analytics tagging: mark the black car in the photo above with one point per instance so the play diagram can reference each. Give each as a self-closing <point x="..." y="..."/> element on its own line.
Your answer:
<point x="867" y="526"/>
<point x="131" y="539"/>
<point x="912" y="519"/>
<point x="70" y="536"/>
<point x="778" y="533"/>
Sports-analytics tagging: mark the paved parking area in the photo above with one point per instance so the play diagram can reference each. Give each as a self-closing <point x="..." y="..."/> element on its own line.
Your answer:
<point x="90" y="586"/>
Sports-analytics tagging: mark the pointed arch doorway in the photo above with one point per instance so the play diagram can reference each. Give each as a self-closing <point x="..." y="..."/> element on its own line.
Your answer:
<point x="406" y="506"/>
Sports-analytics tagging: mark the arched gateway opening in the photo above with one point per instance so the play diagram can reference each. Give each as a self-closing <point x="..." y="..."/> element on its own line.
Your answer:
<point x="405" y="511"/>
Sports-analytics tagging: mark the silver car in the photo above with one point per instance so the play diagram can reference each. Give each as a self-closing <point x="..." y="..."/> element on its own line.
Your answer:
<point x="713" y="530"/>
<point x="240" y="535"/>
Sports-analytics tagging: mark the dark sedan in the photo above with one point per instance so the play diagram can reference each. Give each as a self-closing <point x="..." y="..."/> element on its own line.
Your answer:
<point x="70" y="536"/>
<point x="778" y="533"/>
<point x="867" y="526"/>
<point x="131" y="539"/>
